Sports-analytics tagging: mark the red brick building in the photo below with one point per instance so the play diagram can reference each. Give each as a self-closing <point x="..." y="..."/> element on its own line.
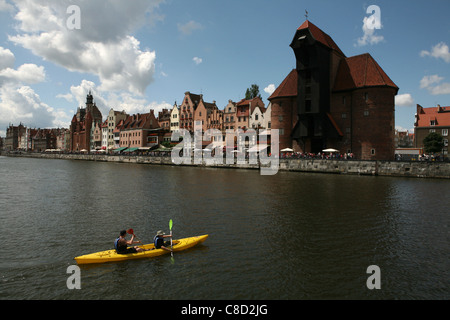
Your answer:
<point x="187" y="109"/>
<point x="164" y="119"/>
<point x="82" y="124"/>
<point x="44" y="139"/>
<point x="284" y="110"/>
<point x="435" y="119"/>
<point x="139" y="131"/>
<point x="334" y="101"/>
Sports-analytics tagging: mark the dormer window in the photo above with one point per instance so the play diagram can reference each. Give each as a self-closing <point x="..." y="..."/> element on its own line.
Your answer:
<point x="432" y="122"/>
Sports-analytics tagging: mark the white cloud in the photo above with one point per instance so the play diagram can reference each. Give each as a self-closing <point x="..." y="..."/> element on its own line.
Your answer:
<point x="404" y="100"/>
<point x="443" y="88"/>
<point x="441" y="50"/>
<point x="427" y="81"/>
<point x="189" y="27"/>
<point x="197" y="60"/>
<point x="19" y="102"/>
<point x="22" y="104"/>
<point x="402" y="129"/>
<point x="67" y="97"/>
<point x="118" y="101"/>
<point x="369" y="36"/>
<point x="102" y="47"/>
<point x="133" y="105"/>
<point x="434" y="86"/>
<point x="270" y="89"/>
<point x="79" y="94"/>
<point x="7" y="58"/>
<point x="26" y="73"/>
<point x="5" y="6"/>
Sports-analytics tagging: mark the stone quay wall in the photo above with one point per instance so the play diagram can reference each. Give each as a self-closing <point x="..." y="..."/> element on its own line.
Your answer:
<point x="418" y="169"/>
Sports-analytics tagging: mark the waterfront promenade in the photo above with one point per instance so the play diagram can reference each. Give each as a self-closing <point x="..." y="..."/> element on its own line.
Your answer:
<point x="417" y="169"/>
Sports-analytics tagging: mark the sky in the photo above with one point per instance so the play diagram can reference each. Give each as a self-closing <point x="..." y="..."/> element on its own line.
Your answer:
<point x="139" y="55"/>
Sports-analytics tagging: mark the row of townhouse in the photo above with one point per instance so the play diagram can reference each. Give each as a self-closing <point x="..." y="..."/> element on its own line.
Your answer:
<point x="121" y="131"/>
<point x="244" y="114"/>
<point x="31" y="139"/>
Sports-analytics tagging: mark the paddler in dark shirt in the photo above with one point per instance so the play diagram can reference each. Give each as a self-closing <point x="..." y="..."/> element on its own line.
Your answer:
<point x="121" y="244"/>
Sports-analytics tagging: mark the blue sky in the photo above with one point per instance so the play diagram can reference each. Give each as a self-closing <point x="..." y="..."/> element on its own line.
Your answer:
<point x="141" y="54"/>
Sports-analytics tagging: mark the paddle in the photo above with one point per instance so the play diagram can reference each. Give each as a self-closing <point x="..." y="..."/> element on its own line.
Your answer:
<point x="131" y="232"/>
<point x="171" y="246"/>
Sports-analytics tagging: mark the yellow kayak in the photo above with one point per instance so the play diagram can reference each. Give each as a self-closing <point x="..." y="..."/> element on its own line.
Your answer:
<point x="112" y="256"/>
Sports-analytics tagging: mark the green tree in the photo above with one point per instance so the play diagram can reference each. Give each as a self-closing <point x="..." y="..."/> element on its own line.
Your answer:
<point x="252" y="92"/>
<point x="433" y="142"/>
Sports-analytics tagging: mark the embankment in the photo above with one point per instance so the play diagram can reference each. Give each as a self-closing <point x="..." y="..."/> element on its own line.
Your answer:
<point x="418" y="169"/>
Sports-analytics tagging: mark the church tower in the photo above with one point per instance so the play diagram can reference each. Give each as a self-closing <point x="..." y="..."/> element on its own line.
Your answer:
<point x="89" y="99"/>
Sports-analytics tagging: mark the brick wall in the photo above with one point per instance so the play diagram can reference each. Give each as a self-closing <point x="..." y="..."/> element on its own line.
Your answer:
<point x="284" y="118"/>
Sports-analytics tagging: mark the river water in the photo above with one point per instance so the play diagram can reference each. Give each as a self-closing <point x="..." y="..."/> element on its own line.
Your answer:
<point x="288" y="236"/>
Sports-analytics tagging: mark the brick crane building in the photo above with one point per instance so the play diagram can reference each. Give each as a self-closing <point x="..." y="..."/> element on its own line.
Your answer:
<point x="334" y="101"/>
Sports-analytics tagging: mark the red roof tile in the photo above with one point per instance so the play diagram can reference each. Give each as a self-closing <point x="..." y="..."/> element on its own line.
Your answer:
<point x="288" y="88"/>
<point x="440" y="116"/>
<point x="252" y="102"/>
<point x="320" y="36"/>
<point x="361" y="71"/>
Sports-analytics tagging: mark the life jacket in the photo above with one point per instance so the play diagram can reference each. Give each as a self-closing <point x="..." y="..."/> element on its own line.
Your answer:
<point x="116" y="242"/>
<point x="158" y="242"/>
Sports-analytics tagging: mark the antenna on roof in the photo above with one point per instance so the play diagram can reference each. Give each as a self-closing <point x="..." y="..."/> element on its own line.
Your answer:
<point x="306" y="14"/>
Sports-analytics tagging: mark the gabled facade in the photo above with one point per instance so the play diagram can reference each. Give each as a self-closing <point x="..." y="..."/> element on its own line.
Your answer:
<point x="244" y="109"/>
<point x="12" y="137"/>
<point x="105" y="134"/>
<point x="164" y="119"/>
<point x="187" y="109"/>
<point x="229" y="116"/>
<point x="114" y="117"/>
<point x="208" y="115"/>
<point x="215" y="118"/>
<point x="175" y="118"/>
<point x="257" y="118"/>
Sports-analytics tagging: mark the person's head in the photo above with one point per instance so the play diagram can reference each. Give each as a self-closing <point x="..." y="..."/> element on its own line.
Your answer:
<point x="123" y="233"/>
<point x="160" y="233"/>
